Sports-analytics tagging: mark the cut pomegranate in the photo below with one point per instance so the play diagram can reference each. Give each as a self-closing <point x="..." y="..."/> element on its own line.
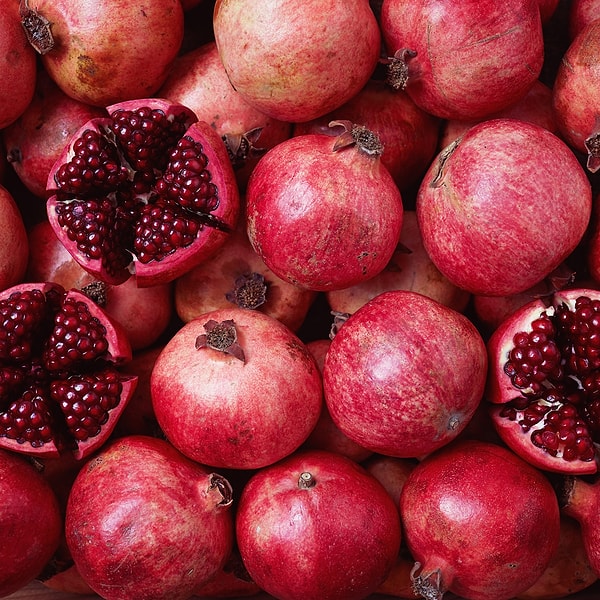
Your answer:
<point x="60" y="387"/>
<point x="148" y="189"/>
<point x="545" y="381"/>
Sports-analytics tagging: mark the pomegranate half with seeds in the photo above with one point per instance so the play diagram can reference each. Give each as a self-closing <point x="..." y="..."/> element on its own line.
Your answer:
<point x="544" y="381"/>
<point x="148" y="190"/>
<point x="60" y="384"/>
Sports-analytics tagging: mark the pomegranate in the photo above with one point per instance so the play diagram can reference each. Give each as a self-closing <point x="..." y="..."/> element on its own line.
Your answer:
<point x="237" y="275"/>
<point x="297" y="61"/>
<point x="30" y="521"/>
<point x="398" y="583"/>
<point x="509" y="218"/>
<point x="18" y="67"/>
<point x="14" y="244"/>
<point x="575" y="94"/>
<point x="581" y="13"/>
<point x="197" y="79"/>
<point x="235" y="388"/>
<point x="61" y="388"/>
<point x="408" y="134"/>
<point x="118" y="528"/>
<point x="391" y="472"/>
<point x="479" y="521"/>
<point x="36" y="139"/>
<point x="144" y="313"/>
<point x="108" y="53"/>
<point x="463" y="60"/>
<point x="324" y="213"/>
<point x="317" y="525"/>
<point x="148" y="189"/>
<point x="409" y="268"/>
<point x="543" y="379"/>
<point x="404" y="374"/>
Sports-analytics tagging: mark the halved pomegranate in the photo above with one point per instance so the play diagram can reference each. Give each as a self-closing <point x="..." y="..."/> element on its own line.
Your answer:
<point x="148" y="190"/>
<point x="60" y="386"/>
<point x="545" y="381"/>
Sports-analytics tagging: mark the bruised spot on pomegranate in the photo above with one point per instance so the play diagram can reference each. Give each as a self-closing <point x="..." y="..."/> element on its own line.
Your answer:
<point x="86" y="68"/>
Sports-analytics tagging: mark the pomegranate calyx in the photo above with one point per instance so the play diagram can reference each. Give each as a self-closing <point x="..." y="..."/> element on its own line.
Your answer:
<point x="423" y="585"/>
<point x="249" y="291"/>
<point x="37" y="29"/>
<point x="225" y="491"/>
<point x="306" y="480"/>
<point x="96" y="291"/>
<point x="242" y="146"/>
<point x="397" y="73"/>
<point x="366" y="141"/>
<point x="222" y="337"/>
<point x="592" y="145"/>
<point x="339" y="318"/>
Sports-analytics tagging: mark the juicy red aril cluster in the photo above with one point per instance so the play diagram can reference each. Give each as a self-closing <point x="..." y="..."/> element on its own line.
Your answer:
<point x="139" y="186"/>
<point x="556" y="367"/>
<point x="56" y="383"/>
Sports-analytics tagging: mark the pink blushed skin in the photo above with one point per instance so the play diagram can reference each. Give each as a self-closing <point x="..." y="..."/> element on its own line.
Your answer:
<point x="581" y="14"/>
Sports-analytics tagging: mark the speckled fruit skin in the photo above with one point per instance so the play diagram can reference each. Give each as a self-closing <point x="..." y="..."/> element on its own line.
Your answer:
<point x="14" y="245"/>
<point x="144" y="522"/>
<point x="231" y="414"/>
<point x="337" y="539"/>
<point x="495" y="215"/>
<point x="404" y="374"/>
<point x="30" y="522"/>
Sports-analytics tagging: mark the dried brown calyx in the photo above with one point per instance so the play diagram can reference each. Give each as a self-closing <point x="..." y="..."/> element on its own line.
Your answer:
<point x="221" y="336"/>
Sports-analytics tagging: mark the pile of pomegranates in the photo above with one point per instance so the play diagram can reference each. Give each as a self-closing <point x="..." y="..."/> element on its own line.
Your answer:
<point x="300" y="300"/>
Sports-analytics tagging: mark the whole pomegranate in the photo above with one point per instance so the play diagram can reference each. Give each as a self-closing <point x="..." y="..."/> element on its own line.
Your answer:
<point x="296" y="61"/>
<point x="404" y="374"/>
<point x="148" y="189"/>
<point x="479" y="521"/>
<point x="317" y="525"/>
<point x="323" y="212"/>
<point x="463" y="60"/>
<point x="495" y="218"/>
<point x="543" y="382"/>
<point x="14" y="243"/>
<point x="105" y="53"/>
<point x="37" y="138"/>
<point x="60" y="384"/>
<point x="235" y="388"/>
<point x="30" y="522"/>
<point x="144" y="522"/>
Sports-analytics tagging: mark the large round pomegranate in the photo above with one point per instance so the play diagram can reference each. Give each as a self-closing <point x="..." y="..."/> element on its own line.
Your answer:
<point x="148" y="189"/>
<point x="404" y="374"/>
<point x="544" y="374"/>
<point x="296" y="61"/>
<point x="60" y="384"/>
<point x="463" y="60"/>
<point x="323" y="212"/>
<point x="235" y="388"/>
<point x="30" y="522"/>
<point x="495" y="217"/>
<point x="103" y="53"/>
<point x="479" y="521"/>
<point x="144" y="522"/>
<point x="317" y="525"/>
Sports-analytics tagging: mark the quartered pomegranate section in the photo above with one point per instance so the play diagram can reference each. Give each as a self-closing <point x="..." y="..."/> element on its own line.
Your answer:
<point x="148" y="190"/>
<point x="60" y="384"/>
<point x="545" y="381"/>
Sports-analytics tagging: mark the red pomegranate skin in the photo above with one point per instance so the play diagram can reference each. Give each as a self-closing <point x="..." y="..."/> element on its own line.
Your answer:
<point x="30" y="522"/>
<point x="297" y="61"/>
<point x="485" y="518"/>
<point x="472" y="59"/>
<point x="581" y="14"/>
<point x="145" y="522"/>
<point x="404" y="374"/>
<point x="335" y="539"/>
<point x="497" y="218"/>
<point x="14" y="244"/>
<point x="230" y="413"/>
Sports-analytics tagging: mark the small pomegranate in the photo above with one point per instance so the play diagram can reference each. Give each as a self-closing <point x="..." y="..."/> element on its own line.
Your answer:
<point x="30" y="522"/>
<point x="105" y="53"/>
<point x="479" y="521"/>
<point x="297" y="61"/>
<point x="147" y="189"/>
<point x="509" y="218"/>
<point x="404" y="374"/>
<point x="60" y="384"/>
<point x="467" y="60"/>
<point x="543" y="380"/>
<point x="235" y="388"/>
<point x="317" y="525"/>
<point x="323" y="212"/>
<point x="121" y="528"/>
<point x="14" y="244"/>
